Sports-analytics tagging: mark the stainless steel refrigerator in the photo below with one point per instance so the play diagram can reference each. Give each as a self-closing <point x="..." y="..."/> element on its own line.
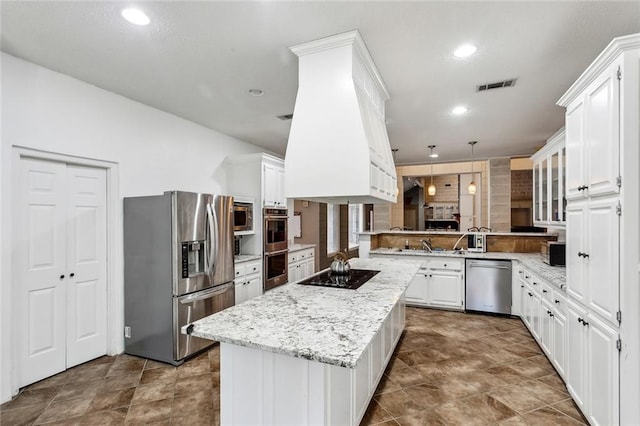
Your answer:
<point x="178" y="268"/>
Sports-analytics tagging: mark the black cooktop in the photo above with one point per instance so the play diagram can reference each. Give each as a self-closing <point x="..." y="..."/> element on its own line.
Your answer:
<point x="353" y="280"/>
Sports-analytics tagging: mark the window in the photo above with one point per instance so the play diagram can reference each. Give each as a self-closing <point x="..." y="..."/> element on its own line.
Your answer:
<point x="333" y="226"/>
<point x="355" y="224"/>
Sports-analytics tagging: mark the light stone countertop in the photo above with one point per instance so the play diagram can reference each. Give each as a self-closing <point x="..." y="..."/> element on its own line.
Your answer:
<point x="239" y="258"/>
<point x="329" y="325"/>
<point x="298" y="247"/>
<point x="443" y="232"/>
<point x="554" y="275"/>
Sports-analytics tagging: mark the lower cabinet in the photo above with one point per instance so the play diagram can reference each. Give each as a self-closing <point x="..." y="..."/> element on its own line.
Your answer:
<point x="301" y="264"/>
<point x="439" y="283"/>
<point x="593" y="365"/>
<point x="248" y="280"/>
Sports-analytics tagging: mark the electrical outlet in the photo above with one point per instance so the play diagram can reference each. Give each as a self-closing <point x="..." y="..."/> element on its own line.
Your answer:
<point x="127" y="332"/>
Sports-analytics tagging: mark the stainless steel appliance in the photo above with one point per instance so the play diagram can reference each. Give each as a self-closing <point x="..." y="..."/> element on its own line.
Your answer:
<point x="275" y="248"/>
<point x="242" y="216"/>
<point x="488" y="286"/>
<point x="353" y="280"/>
<point x="476" y="243"/>
<point x="178" y="268"/>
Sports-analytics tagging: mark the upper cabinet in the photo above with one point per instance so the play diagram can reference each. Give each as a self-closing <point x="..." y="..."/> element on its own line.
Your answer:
<point x="549" y="182"/>
<point x="593" y="139"/>
<point x="273" y="184"/>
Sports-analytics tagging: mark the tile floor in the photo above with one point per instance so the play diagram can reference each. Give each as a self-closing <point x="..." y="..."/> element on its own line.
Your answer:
<point x="449" y="369"/>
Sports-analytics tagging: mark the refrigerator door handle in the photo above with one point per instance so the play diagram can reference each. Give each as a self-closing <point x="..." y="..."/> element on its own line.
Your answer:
<point x="212" y="242"/>
<point x="207" y="294"/>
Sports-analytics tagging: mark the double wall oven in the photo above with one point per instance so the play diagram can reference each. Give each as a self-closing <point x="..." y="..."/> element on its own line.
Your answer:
<point x="275" y="247"/>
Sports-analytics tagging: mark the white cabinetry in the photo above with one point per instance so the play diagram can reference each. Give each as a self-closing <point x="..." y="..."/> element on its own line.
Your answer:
<point x="602" y="132"/>
<point x="301" y="264"/>
<point x="273" y="184"/>
<point x="439" y="283"/>
<point x="544" y="312"/>
<point x="549" y="182"/>
<point x="248" y="280"/>
<point x="593" y="366"/>
<point x="593" y="137"/>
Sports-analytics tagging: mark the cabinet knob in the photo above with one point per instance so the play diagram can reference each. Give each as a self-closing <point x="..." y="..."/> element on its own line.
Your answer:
<point x="550" y="314"/>
<point x="521" y="285"/>
<point x="580" y="319"/>
<point x="72" y="275"/>
<point x="585" y="255"/>
<point x="544" y="291"/>
<point x="527" y="276"/>
<point x="585" y="323"/>
<point x="62" y="277"/>
<point x="535" y="283"/>
<point x="557" y="301"/>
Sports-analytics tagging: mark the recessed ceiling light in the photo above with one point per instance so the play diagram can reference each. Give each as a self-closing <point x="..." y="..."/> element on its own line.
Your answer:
<point x="135" y="16"/>
<point x="256" y="92"/>
<point x="465" y="50"/>
<point x="459" y="110"/>
<point x="434" y="155"/>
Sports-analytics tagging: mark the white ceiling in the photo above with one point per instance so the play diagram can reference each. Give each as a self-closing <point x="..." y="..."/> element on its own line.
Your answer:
<point x="198" y="60"/>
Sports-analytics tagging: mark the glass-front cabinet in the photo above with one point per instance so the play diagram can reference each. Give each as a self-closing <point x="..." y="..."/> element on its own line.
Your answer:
<point x="549" y="203"/>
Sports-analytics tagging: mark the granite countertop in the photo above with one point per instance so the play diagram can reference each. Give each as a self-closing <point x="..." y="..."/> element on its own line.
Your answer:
<point x="443" y="232"/>
<point x="329" y="325"/>
<point x="246" y="257"/>
<point x="298" y="247"/>
<point x="554" y="275"/>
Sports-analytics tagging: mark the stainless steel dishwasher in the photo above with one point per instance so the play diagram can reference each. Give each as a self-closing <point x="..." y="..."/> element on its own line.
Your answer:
<point x="488" y="286"/>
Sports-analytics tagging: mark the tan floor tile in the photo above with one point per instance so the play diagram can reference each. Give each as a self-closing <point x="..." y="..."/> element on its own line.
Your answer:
<point x="123" y="381"/>
<point x="544" y="392"/>
<point x="184" y="404"/>
<point x="65" y="409"/>
<point x="549" y="416"/>
<point x="375" y="414"/>
<point x="570" y="408"/>
<point x="387" y="385"/>
<point x="126" y="364"/>
<point x="518" y="398"/>
<point x="153" y="392"/>
<point x="408" y="376"/>
<point x="110" y="400"/>
<point x="22" y="416"/>
<point x="79" y="390"/>
<point x="51" y="382"/>
<point x="194" y="368"/>
<point x="159" y="375"/>
<point x="196" y="419"/>
<point x="154" y="411"/>
<point x="186" y="385"/>
<point x="555" y="382"/>
<point x="426" y="417"/>
<point x="105" y="418"/>
<point x="29" y="397"/>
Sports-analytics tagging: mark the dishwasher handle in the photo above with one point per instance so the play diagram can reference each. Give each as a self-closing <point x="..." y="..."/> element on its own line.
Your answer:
<point x="481" y="265"/>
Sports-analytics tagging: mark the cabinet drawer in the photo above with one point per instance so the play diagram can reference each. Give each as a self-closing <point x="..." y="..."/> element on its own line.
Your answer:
<point x="253" y="267"/>
<point x="310" y="253"/>
<point x="446" y="265"/>
<point x="240" y="269"/>
<point x="536" y="284"/>
<point x="293" y="257"/>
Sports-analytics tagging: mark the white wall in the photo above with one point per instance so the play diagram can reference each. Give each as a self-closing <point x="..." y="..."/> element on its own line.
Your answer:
<point x="155" y="151"/>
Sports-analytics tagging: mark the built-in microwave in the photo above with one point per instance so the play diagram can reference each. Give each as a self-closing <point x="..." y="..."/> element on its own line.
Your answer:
<point x="243" y="217"/>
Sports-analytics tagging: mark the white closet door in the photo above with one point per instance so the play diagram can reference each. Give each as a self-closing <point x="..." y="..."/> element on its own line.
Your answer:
<point x="86" y="266"/>
<point x="60" y="248"/>
<point x="40" y="247"/>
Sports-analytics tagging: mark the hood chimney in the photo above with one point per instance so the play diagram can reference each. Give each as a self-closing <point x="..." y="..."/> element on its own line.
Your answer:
<point x="338" y="150"/>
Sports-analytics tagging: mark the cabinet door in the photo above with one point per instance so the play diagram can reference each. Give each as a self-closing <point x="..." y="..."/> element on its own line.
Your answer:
<point x="546" y="328"/>
<point x="241" y="295"/>
<point x="576" y="354"/>
<point x="576" y="247"/>
<point x="273" y="185"/>
<point x="292" y="272"/>
<point x="555" y="187"/>
<point x="574" y="126"/>
<point x="309" y="267"/>
<point x="602" y="113"/>
<point x="416" y="292"/>
<point x="602" y="271"/>
<point x="537" y="192"/>
<point x="602" y="373"/>
<point x="536" y="315"/>
<point x="559" y="357"/>
<point x="253" y="286"/>
<point x="445" y="290"/>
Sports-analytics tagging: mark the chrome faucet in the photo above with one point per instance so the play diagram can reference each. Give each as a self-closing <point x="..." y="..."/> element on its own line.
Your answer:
<point x="426" y="245"/>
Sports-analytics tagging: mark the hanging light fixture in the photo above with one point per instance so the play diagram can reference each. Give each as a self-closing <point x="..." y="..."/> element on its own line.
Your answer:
<point x="432" y="188"/>
<point x="472" y="186"/>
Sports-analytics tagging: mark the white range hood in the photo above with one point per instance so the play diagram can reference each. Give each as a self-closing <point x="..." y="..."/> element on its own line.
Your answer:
<point x="338" y="150"/>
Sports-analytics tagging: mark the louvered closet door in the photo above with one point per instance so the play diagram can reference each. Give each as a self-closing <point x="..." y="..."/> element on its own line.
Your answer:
<point x="60" y="252"/>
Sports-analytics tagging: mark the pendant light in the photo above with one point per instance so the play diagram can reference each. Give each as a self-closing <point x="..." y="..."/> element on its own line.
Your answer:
<point x="472" y="186"/>
<point x="432" y="188"/>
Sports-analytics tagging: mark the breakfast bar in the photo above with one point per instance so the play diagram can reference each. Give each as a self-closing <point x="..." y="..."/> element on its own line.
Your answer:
<point x="309" y="355"/>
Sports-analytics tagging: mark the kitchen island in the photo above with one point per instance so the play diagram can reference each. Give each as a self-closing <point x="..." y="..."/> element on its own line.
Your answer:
<point x="306" y="354"/>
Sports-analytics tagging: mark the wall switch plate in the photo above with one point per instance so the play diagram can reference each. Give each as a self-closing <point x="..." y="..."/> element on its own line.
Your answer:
<point x="127" y="332"/>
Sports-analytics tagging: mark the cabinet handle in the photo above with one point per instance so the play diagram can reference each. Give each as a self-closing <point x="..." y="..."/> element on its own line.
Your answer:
<point x="535" y="283"/>
<point x="580" y="254"/>
<point x="72" y="275"/>
<point x="530" y="295"/>
<point x="550" y="314"/>
<point x="526" y="276"/>
<point x="585" y="323"/>
<point x="544" y="291"/>
<point x="582" y="187"/>
<point x="585" y="255"/>
<point x="521" y="285"/>
<point x="557" y="301"/>
<point x="580" y="319"/>
<point x="62" y="277"/>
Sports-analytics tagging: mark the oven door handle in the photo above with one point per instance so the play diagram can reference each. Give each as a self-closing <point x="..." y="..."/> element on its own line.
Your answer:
<point x="274" y="253"/>
<point x="207" y="294"/>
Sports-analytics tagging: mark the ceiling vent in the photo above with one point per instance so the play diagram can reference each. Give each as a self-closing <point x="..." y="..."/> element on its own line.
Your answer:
<point x="497" y="85"/>
<point x="285" y="117"/>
